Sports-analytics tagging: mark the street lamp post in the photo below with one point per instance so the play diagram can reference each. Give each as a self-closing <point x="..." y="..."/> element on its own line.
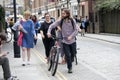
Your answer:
<point x="68" y="4"/>
<point x="57" y="8"/>
<point x="78" y="7"/>
<point x="31" y="3"/>
<point x="46" y="5"/>
<point x="14" y="5"/>
<point x="4" y="4"/>
<point x="16" y="47"/>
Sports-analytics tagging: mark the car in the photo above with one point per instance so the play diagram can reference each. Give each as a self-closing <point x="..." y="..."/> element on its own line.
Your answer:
<point x="41" y="20"/>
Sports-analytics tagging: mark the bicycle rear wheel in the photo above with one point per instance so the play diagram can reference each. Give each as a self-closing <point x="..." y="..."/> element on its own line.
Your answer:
<point x="55" y="62"/>
<point x="76" y="62"/>
<point x="8" y="36"/>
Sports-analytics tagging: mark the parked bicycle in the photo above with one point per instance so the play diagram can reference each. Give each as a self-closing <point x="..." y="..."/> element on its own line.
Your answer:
<point x="8" y="35"/>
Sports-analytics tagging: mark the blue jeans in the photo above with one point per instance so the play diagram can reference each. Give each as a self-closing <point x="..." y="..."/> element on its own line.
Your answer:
<point x="70" y="51"/>
<point x="35" y="40"/>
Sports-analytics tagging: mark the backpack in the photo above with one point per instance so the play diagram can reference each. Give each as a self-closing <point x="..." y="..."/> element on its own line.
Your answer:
<point x="61" y="22"/>
<point x="82" y="26"/>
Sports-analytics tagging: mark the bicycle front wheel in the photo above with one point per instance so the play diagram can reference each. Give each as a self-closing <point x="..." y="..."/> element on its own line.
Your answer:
<point x="55" y="62"/>
<point x="49" y="63"/>
<point x="52" y="52"/>
<point x="8" y="36"/>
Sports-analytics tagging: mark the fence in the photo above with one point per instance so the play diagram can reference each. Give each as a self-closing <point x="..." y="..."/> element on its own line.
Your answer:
<point x="110" y="22"/>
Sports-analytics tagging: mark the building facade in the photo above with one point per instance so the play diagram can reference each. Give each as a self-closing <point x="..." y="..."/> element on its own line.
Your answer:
<point x="54" y="6"/>
<point x="8" y="5"/>
<point x="84" y="8"/>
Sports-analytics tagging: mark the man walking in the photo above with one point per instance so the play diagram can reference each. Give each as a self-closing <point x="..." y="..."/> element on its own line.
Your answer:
<point x="69" y="31"/>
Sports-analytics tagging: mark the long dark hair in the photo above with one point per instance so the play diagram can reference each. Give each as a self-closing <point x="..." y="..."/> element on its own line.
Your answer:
<point x="34" y="20"/>
<point x="68" y="16"/>
<point x="67" y="11"/>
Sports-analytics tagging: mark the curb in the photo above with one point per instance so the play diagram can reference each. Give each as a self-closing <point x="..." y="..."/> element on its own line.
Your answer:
<point x="103" y="40"/>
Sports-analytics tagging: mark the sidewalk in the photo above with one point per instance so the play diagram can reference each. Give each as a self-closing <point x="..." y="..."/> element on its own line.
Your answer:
<point x="34" y="71"/>
<point x="113" y="38"/>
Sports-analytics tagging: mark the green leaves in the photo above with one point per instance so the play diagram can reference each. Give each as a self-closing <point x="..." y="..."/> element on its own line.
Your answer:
<point x="107" y="5"/>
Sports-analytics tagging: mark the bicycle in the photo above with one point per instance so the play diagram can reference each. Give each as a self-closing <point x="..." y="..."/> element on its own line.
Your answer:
<point x="8" y="35"/>
<point x="54" y="57"/>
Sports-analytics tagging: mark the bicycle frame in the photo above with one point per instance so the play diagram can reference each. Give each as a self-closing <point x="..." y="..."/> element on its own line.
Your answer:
<point x="54" y="58"/>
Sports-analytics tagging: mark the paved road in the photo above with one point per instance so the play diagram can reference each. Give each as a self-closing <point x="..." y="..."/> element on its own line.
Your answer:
<point x="101" y="56"/>
<point x="97" y="60"/>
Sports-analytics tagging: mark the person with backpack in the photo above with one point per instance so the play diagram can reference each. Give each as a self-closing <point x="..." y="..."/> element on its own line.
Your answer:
<point x="59" y="35"/>
<point x="69" y="30"/>
<point x="86" y="23"/>
<point x="82" y="27"/>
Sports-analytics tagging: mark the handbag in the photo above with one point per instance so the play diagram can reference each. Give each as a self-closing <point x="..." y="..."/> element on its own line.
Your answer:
<point x="19" y="41"/>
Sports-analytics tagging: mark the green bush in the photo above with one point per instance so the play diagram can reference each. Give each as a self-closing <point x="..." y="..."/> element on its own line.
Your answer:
<point x="107" y="5"/>
<point x="2" y="18"/>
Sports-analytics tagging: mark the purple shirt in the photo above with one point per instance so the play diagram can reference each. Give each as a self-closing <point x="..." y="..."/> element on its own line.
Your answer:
<point x="67" y="30"/>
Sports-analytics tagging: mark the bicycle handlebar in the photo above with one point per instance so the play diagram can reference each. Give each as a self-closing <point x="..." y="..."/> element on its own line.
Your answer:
<point x="55" y="38"/>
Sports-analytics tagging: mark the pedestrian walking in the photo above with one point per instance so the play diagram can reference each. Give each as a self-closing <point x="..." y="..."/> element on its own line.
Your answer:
<point x="82" y="27"/>
<point x="86" y="23"/>
<point x="27" y="38"/>
<point x="60" y="43"/>
<point x="36" y="26"/>
<point x="78" y="21"/>
<point x="48" y="42"/>
<point x="76" y="18"/>
<point x="4" y="60"/>
<point x="69" y="30"/>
